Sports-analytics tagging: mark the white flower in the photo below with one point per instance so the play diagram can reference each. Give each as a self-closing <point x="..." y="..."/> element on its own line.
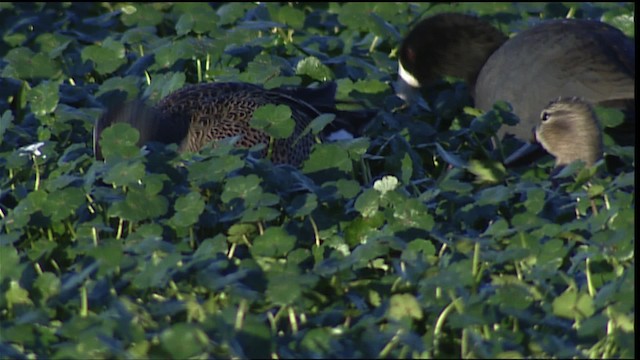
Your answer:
<point x="386" y="184"/>
<point x="33" y="149"/>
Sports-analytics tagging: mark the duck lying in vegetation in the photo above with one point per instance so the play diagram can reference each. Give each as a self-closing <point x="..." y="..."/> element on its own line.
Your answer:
<point x="556" y="58"/>
<point x="199" y="114"/>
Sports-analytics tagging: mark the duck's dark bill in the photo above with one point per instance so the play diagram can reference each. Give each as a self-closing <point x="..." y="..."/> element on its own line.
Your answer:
<point x="526" y="155"/>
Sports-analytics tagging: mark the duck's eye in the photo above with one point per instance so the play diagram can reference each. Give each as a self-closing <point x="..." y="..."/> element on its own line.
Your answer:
<point x="545" y="116"/>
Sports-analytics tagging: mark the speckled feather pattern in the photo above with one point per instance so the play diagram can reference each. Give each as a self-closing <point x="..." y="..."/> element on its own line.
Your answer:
<point x="214" y="111"/>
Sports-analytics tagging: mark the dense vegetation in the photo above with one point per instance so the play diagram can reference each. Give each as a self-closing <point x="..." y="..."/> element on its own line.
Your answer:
<point x="413" y="241"/>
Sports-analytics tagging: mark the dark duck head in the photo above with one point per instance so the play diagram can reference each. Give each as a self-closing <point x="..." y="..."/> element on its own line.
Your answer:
<point x="448" y="44"/>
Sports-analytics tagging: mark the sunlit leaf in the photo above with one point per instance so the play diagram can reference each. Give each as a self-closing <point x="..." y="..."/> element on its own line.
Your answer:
<point x="274" y="119"/>
<point x="404" y="305"/>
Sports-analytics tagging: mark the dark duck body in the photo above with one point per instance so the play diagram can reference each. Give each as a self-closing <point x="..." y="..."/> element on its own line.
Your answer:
<point x="199" y="114"/>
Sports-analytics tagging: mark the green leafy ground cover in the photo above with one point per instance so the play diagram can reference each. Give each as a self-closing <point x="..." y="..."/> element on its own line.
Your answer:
<point x="413" y="241"/>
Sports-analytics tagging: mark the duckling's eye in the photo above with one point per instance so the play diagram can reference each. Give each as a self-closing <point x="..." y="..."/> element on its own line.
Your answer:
<point x="545" y="116"/>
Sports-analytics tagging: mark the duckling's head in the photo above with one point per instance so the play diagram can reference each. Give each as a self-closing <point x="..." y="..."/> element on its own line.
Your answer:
<point x="569" y="130"/>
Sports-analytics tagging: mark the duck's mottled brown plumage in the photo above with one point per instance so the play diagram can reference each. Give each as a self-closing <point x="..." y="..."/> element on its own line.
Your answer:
<point x="198" y="114"/>
<point x="569" y="130"/>
<point x="220" y="110"/>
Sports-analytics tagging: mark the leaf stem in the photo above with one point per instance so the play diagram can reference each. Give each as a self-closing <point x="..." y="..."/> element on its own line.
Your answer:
<point x="94" y="235"/>
<point x="437" y="330"/>
<point x="316" y="235"/>
<point x="476" y="260"/>
<point x="242" y="310"/>
<point x="374" y="42"/>
<point x="35" y="165"/>
<point x="232" y="250"/>
<point x="199" y="69"/>
<point x="387" y="348"/>
<point x="260" y="230"/>
<point x="119" y="232"/>
<point x="272" y="322"/>
<point x="84" y="302"/>
<point x="292" y="320"/>
<point x="590" y="287"/>
<point x="464" y="344"/>
<point x="38" y="268"/>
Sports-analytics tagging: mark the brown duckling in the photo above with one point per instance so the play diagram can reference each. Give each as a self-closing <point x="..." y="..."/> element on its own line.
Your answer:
<point x="198" y="114"/>
<point x="569" y="130"/>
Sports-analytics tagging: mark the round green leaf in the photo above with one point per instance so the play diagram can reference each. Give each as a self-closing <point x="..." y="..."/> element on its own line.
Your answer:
<point x="348" y="188"/>
<point x="239" y="233"/>
<point x="303" y="205"/>
<point x="125" y="173"/>
<point x="339" y="158"/>
<point x="418" y="248"/>
<point x="312" y="67"/>
<point x="574" y="305"/>
<point x="188" y="209"/>
<point x="368" y="202"/>
<point x="244" y="187"/>
<point x="275" y="242"/>
<point x="62" y="204"/>
<point x="107" y="56"/>
<point x="273" y="119"/>
<point x="10" y="261"/>
<point x="139" y="205"/>
<point x="16" y="295"/>
<point x="48" y="285"/>
<point x="142" y="14"/>
<point x="370" y="86"/>
<point x="30" y="65"/>
<point x="119" y="140"/>
<point x="183" y="340"/>
<point x="404" y="305"/>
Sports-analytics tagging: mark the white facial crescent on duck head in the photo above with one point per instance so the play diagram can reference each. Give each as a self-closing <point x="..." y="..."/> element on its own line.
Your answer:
<point x="407" y="86"/>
